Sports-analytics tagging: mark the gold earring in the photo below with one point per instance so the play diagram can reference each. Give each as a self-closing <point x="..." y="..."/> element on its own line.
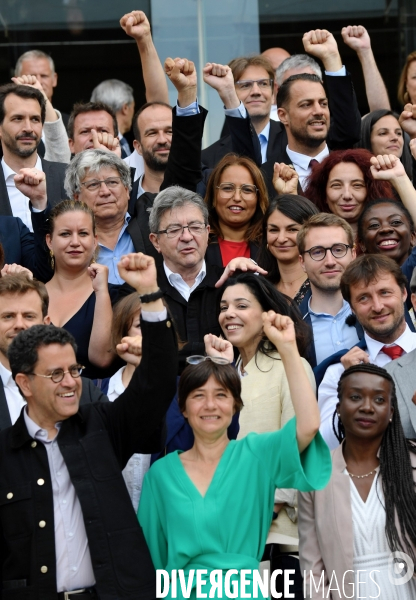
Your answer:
<point x="267" y="246"/>
<point x="52" y="260"/>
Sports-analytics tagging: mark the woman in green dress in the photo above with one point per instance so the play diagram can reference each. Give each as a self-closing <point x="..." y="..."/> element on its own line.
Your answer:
<point x="210" y="508"/>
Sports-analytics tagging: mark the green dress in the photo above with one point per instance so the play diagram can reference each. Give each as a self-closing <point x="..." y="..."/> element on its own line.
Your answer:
<point x="227" y="528"/>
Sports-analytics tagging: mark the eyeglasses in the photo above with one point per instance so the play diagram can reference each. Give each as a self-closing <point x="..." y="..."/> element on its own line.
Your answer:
<point x="173" y="231"/>
<point x="94" y="184"/>
<point x="196" y="359"/>
<point x="228" y="190"/>
<point x="247" y="84"/>
<point x="58" y="374"/>
<point x="319" y="252"/>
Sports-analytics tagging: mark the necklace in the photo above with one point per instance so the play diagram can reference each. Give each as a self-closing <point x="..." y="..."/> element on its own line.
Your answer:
<point x="362" y="476"/>
<point x="290" y="282"/>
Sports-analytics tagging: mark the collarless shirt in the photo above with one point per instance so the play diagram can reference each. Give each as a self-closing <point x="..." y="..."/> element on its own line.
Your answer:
<point x="330" y="332"/>
<point x="301" y="163"/>
<point x="73" y="560"/>
<point x="14" y="399"/>
<point x="180" y="285"/>
<point x="111" y="258"/>
<point x="18" y="201"/>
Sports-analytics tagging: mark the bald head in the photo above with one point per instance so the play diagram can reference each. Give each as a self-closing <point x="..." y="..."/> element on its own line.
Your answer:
<point x="275" y="56"/>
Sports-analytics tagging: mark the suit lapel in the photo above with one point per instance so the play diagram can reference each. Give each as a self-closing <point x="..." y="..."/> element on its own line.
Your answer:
<point x="5" y="208"/>
<point x="5" y="420"/>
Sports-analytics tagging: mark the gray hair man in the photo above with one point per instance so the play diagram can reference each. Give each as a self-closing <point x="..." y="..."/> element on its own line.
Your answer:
<point x="40" y="64"/>
<point x="119" y="96"/>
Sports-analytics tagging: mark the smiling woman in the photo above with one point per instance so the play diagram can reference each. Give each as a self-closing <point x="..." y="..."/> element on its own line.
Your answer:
<point x="237" y="199"/>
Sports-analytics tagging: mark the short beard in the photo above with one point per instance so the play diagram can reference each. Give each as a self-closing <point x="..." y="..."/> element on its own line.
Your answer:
<point x="307" y="141"/>
<point x="154" y="162"/>
<point x="380" y="334"/>
<point x="20" y="152"/>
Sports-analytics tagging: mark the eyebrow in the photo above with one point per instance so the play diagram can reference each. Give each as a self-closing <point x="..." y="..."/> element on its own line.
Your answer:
<point x="237" y="300"/>
<point x="401" y="215"/>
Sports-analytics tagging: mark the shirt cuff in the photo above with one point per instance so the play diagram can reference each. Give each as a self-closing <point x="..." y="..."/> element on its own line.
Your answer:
<point x="341" y="73"/>
<point x="187" y="111"/>
<point x="154" y="317"/>
<point x="239" y="113"/>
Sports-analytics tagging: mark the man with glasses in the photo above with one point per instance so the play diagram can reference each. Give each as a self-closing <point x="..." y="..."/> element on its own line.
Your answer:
<point x="62" y="489"/>
<point x="326" y="247"/>
<point x="24" y="303"/>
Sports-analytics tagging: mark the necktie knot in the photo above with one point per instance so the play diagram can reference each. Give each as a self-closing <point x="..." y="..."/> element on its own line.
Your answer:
<point x="313" y="162"/>
<point x="393" y="351"/>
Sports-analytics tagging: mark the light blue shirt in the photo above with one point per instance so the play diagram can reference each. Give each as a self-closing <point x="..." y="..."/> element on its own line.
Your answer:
<point x="331" y="333"/>
<point x="241" y="113"/>
<point x="110" y="258"/>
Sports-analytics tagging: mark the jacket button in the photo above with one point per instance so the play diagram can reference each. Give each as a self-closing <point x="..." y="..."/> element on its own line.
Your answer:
<point x="44" y="569"/>
<point x="40" y="481"/>
<point x="34" y="444"/>
<point x="9" y="496"/>
<point x="42" y="524"/>
<point x="168" y="324"/>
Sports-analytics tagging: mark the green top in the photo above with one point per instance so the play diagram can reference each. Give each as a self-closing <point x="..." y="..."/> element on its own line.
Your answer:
<point x="227" y="528"/>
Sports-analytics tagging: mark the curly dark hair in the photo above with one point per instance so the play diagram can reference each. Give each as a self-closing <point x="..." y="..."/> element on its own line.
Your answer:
<point x="23" y="351"/>
<point x="270" y="298"/>
<point x="318" y="179"/>
<point x="395" y="468"/>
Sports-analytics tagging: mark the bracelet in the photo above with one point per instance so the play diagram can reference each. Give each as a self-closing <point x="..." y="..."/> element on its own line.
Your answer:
<point x="151" y="297"/>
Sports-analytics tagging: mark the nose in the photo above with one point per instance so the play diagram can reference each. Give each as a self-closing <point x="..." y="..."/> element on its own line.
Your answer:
<point x="385" y="228"/>
<point x="366" y="404"/>
<point x="186" y="235"/>
<point x="162" y="138"/>
<point x="347" y="192"/>
<point x="75" y="240"/>
<point x="255" y="89"/>
<point x="27" y="125"/>
<point x="104" y="190"/>
<point x="329" y="257"/>
<point x="378" y="305"/>
<point x="68" y="380"/>
<point x="281" y="235"/>
<point x="20" y="323"/>
<point x="209" y="402"/>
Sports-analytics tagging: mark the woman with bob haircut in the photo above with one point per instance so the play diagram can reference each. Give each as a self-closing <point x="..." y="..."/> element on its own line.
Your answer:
<point x="210" y="508"/>
<point x="237" y="199"/>
<point x="349" y="530"/>
<point x="279" y="253"/>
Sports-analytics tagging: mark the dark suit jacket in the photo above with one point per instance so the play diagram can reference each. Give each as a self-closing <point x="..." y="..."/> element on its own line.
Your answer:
<point x="55" y="175"/>
<point x="345" y="130"/>
<point x="90" y="393"/>
<point x="96" y="444"/>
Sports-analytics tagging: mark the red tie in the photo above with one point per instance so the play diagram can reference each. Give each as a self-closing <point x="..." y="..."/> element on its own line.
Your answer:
<point x="313" y="162"/>
<point x="393" y="351"/>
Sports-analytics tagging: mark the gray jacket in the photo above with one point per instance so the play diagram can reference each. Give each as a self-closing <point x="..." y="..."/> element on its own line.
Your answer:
<point x="403" y="371"/>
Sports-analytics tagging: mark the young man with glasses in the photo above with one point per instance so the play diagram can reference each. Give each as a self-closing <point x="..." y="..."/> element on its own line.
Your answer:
<point x="326" y="247"/>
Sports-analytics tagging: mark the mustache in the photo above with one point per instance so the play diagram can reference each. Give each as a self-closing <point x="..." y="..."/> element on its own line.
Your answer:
<point x="32" y="136"/>
<point x="165" y="146"/>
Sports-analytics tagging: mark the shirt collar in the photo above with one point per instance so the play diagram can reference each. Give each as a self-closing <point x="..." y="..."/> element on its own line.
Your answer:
<point x="265" y="132"/>
<point x="116" y="383"/>
<point x="9" y="172"/>
<point x="344" y="309"/>
<point x="171" y="276"/>
<point x="140" y="190"/>
<point x="5" y="375"/>
<point x="35" y="431"/>
<point x="302" y="160"/>
<point x="407" y="341"/>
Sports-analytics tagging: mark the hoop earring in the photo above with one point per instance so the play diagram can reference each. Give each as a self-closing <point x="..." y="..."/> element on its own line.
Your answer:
<point x="52" y="260"/>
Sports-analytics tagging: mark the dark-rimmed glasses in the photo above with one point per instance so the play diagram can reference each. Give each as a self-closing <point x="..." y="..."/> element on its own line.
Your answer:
<point x="247" y="84"/>
<point x="174" y="231"/>
<point x="94" y="184"/>
<point x="319" y="252"/>
<point x="58" y="374"/>
<point x="196" y="359"/>
<point x="228" y="190"/>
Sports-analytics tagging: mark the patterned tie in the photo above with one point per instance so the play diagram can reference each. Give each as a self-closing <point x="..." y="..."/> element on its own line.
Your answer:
<point x="313" y="162"/>
<point x="393" y="351"/>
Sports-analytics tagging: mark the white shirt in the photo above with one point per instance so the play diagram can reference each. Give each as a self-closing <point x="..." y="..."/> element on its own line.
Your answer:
<point x="18" y="202"/>
<point x="327" y="392"/>
<point x="180" y="285"/>
<point x="14" y="399"/>
<point x="135" y="161"/>
<point x="301" y="163"/>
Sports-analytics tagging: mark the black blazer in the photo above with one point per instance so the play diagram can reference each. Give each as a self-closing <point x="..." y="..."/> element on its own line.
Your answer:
<point x="96" y="444"/>
<point x="55" y="176"/>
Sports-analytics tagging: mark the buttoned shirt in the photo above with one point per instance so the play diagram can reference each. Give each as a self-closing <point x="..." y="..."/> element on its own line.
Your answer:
<point x="301" y="163"/>
<point x="14" y="399"/>
<point x="327" y="392"/>
<point x="18" y="201"/>
<point x="111" y="258"/>
<point x="330" y="332"/>
<point x="73" y="560"/>
<point x="180" y="285"/>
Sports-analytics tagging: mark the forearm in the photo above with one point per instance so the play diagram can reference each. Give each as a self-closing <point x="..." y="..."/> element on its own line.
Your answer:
<point x="56" y="140"/>
<point x="153" y="74"/>
<point x="375" y="88"/>
<point x="407" y="193"/>
<point x="303" y="397"/>
<point x="99" y="349"/>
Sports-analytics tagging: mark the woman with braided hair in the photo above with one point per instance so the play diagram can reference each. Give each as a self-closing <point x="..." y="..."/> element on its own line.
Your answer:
<point x="356" y="530"/>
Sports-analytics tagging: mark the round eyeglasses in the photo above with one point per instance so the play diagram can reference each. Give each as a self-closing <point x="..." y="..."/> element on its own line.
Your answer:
<point x="319" y="252"/>
<point x="228" y="190"/>
<point x="58" y="374"/>
<point x="196" y="359"/>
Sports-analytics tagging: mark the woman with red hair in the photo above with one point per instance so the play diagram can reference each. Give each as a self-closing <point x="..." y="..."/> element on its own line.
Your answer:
<point x="343" y="182"/>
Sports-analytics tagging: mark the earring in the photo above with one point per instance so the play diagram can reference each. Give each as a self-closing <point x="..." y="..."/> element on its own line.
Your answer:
<point x="267" y="246"/>
<point x="52" y="260"/>
<point x="391" y="420"/>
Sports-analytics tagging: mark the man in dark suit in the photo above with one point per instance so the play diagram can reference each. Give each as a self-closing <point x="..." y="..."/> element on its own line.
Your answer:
<point x="269" y="136"/>
<point x="24" y="303"/>
<point x="61" y="463"/>
<point x="22" y="113"/>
